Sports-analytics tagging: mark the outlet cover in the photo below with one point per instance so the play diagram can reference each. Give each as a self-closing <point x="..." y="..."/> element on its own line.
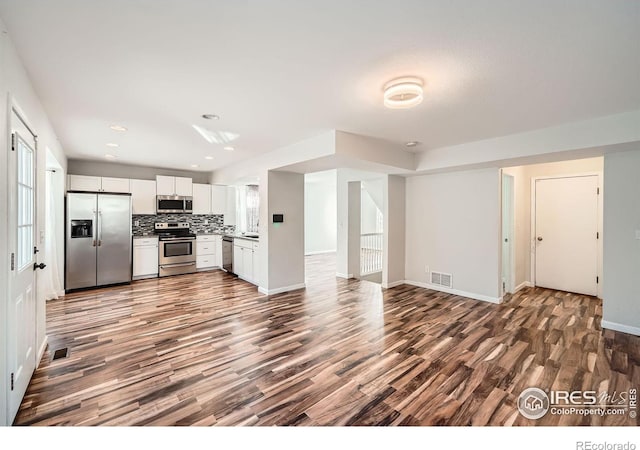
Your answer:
<point x="426" y="269"/>
<point x="136" y="223"/>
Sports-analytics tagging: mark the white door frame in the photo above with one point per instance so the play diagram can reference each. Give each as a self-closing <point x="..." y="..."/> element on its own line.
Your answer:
<point x="14" y="108"/>
<point x="510" y="288"/>
<point x="532" y="237"/>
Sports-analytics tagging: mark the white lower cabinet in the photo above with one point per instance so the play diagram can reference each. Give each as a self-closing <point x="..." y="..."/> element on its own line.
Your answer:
<point x="245" y="259"/>
<point x="145" y="257"/>
<point x="207" y="253"/>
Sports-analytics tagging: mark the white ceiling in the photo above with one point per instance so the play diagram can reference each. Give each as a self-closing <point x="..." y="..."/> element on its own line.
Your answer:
<point x="281" y="71"/>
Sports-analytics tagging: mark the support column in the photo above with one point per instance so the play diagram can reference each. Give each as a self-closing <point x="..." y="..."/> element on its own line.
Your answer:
<point x="281" y="254"/>
<point x="394" y="231"/>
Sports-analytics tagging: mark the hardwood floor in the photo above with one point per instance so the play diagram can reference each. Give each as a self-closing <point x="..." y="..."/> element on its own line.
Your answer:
<point x="207" y="349"/>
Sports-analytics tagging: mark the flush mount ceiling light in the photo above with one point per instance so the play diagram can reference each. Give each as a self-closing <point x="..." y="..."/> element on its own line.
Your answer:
<point x="229" y="148"/>
<point x="216" y="137"/>
<point x="401" y="93"/>
<point x="118" y="128"/>
<point x="208" y="157"/>
<point x="412" y="143"/>
<point x="194" y="165"/>
<point x="211" y="116"/>
<point x="112" y="145"/>
<point x="110" y="156"/>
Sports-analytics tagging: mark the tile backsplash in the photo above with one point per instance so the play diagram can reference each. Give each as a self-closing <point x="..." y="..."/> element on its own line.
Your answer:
<point x="214" y="223"/>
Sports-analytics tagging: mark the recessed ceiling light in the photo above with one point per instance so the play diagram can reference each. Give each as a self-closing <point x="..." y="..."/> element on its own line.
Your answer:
<point x="110" y="156"/>
<point x="194" y="165"/>
<point x="211" y="116"/>
<point x="118" y="128"/>
<point x="403" y="92"/>
<point x="208" y="157"/>
<point x="412" y="143"/>
<point x="229" y="148"/>
<point x="112" y="145"/>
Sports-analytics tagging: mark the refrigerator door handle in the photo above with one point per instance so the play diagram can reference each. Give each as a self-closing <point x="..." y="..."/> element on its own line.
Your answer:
<point x="100" y="228"/>
<point x="93" y="227"/>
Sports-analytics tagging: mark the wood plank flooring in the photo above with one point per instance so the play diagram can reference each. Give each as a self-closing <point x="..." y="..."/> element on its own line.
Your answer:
<point x="208" y="349"/>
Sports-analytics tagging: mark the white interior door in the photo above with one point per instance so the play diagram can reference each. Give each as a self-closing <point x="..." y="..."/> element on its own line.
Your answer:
<point x="22" y="241"/>
<point x="507" y="233"/>
<point x="566" y="227"/>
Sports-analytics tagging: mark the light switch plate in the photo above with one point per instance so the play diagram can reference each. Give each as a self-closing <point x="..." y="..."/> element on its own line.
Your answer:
<point x="637" y="234"/>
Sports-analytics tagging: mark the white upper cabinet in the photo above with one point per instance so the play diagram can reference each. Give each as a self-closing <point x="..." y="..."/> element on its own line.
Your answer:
<point x="201" y="198"/>
<point x="143" y="196"/>
<point x="165" y="185"/>
<point x="218" y="199"/>
<point x="84" y="183"/>
<point x="173" y="186"/>
<point x="98" y="184"/>
<point x="115" y="185"/>
<point x="184" y="186"/>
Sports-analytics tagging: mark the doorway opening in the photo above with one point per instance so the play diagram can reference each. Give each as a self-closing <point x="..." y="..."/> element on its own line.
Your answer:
<point x="371" y="230"/>
<point x="557" y="226"/>
<point x="320" y="225"/>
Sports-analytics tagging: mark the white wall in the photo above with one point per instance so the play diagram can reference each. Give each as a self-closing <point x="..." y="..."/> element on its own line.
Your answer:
<point x="117" y="170"/>
<point x="320" y="212"/>
<point x="57" y="183"/>
<point x="15" y="85"/>
<point x="453" y="226"/>
<point x="621" y="289"/>
<point x="588" y="138"/>
<point x="368" y="213"/>
<point x="281" y="245"/>
<point x="522" y="187"/>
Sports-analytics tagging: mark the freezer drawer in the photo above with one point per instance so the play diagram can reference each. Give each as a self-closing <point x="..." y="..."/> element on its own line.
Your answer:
<point x="177" y="269"/>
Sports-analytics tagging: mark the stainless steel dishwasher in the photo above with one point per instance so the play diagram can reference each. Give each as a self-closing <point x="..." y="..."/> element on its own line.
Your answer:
<point x="227" y="254"/>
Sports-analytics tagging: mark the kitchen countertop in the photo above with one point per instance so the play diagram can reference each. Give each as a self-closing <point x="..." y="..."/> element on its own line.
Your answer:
<point x="147" y="236"/>
<point x="239" y="236"/>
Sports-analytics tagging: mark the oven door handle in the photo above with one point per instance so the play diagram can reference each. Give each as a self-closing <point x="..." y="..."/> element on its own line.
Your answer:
<point x="177" y="239"/>
<point x="177" y="265"/>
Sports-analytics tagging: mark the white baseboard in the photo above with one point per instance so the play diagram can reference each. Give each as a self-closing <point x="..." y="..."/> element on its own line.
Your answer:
<point x="621" y="327"/>
<point x="293" y="287"/>
<point x="484" y="298"/>
<point x="523" y="285"/>
<point x="321" y="252"/>
<point x="43" y="347"/>
<point x="344" y="275"/>
<point x="393" y="284"/>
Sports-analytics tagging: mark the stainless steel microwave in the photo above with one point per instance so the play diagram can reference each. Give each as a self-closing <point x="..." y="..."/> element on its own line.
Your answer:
<point x="174" y="204"/>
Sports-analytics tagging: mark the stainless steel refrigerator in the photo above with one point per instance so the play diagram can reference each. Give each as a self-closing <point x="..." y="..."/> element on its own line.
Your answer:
<point x="98" y="239"/>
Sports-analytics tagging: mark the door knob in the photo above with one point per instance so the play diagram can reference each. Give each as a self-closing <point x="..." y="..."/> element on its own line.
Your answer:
<point x="540" y="238"/>
<point x="39" y="266"/>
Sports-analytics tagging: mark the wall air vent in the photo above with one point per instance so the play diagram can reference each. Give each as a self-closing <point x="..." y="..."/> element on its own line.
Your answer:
<point x="441" y="279"/>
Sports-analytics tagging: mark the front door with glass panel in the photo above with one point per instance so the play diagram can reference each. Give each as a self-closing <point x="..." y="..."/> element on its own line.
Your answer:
<point x="22" y="242"/>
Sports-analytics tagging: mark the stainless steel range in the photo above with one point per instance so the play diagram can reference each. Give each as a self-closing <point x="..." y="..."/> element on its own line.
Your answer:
<point x="177" y="249"/>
